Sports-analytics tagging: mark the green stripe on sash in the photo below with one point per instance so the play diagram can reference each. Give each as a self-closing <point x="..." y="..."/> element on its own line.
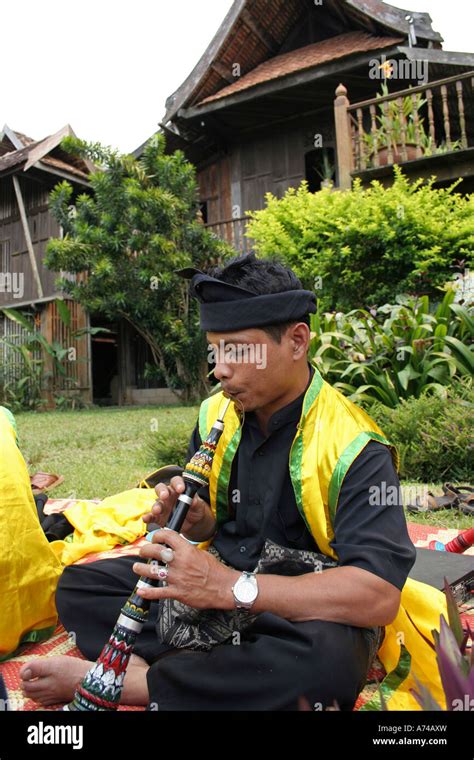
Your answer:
<point x="296" y="452"/>
<point x="345" y="461"/>
<point x="391" y="682"/>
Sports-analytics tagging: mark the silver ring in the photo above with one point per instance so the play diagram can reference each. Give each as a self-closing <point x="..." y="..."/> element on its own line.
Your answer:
<point x="167" y="554"/>
<point x="162" y="573"/>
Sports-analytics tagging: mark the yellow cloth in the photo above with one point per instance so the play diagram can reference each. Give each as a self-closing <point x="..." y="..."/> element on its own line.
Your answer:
<point x="29" y="570"/>
<point x="419" y="613"/>
<point x="100" y="527"/>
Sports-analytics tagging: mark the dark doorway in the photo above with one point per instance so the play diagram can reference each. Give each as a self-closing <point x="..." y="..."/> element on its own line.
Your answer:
<point x="320" y="168"/>
<point x="105" y="379"/>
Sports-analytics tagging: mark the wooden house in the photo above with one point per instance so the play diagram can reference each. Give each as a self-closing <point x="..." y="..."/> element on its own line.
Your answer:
<point x="108" y="368"/>
<point x="29" y="169"/>
<point x="259" y="112"/>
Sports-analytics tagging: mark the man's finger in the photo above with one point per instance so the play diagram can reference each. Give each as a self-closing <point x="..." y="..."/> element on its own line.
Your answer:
<point x="164" y="492"/>
<point x="154" y="594"/>
<point x="177" y="484"/>
<point x="151" y="571"/>
<point x="171" y="538"/>
<point x="152" y="551"/>
<point x="157" y="508"/>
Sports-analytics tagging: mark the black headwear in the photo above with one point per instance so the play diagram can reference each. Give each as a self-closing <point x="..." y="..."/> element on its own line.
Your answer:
<point x="228" y="308"/>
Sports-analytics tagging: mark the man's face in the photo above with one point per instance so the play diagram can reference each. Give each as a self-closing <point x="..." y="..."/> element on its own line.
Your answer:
<point x="252" y="367"/>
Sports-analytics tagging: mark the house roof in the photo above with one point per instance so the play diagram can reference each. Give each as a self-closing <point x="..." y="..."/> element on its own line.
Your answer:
<point x="43" y="154"/>
<point x="24" y="139"/>
<point x="11" y="140"/>
<point x="15" y="157"/>
<point x="306" y="58"/>
<point x="255" y="31"/>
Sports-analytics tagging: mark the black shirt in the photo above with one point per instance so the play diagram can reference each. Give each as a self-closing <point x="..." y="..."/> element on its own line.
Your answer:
<point x="262" y="504"/>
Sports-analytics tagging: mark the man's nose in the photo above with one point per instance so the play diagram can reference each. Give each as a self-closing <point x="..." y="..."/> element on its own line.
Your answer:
<point x="222" y="371"/>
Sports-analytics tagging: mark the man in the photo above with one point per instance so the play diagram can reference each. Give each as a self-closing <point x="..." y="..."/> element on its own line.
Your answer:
<point x="299" y="471"/>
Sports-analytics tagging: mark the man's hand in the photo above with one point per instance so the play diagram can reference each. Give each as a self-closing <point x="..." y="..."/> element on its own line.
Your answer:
<point x="195" y="577"/>
<point x="199" y="524"/>
<point x="347" y="595"/>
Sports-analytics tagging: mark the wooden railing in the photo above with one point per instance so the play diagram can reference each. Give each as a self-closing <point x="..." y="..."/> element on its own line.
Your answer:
<point x="409" y="124"/>
<point x="233" y="232"/>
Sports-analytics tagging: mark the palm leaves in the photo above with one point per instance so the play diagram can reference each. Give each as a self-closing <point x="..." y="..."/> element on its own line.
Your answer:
<point x="400" y="351"/>
<point x="26" y="356"/>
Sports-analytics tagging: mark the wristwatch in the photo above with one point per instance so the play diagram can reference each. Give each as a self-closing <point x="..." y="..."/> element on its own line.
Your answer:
<point x="245" y="591"/>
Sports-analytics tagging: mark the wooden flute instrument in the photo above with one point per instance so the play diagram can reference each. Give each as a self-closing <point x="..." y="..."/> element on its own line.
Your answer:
<point x="102" y="685"/>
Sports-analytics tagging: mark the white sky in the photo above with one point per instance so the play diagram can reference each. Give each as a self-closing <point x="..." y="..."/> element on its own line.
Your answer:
<point x="107" y="66"/>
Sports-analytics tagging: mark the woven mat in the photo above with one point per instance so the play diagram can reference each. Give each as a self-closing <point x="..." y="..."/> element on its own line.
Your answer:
<point x="61" y="644"/>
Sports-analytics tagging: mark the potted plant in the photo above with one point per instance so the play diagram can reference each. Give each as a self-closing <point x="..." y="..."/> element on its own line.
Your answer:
<point x="391" y="125"/>
<point x="325" y="170"/>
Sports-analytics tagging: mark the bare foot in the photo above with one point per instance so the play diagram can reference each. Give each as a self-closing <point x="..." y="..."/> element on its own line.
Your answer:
<point x="54" y="680"/>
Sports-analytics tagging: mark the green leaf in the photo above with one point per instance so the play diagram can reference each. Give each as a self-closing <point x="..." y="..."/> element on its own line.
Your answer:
<point x="90" y="331"/>
<point x="464" y="316"/>
<point x="464" y="355"/>
<point x="64" y="313"/>
<point x="406" y="375"/>
<point x="19" y="318"/>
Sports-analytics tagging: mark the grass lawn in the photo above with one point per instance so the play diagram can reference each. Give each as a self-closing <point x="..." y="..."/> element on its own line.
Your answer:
<point x="101" y="452"/>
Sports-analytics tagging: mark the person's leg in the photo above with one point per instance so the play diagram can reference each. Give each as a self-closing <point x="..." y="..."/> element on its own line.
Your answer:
<point x="89" y="599"/>
<point x="276" y="664"/>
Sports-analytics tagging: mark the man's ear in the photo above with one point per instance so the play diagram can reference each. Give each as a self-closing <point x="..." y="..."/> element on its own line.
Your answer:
<point x="300" y="338"/>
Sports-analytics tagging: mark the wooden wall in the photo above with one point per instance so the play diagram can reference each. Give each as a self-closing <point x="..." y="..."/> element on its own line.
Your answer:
<point x="42" y="226"/>
<point x="77" y="365"/>
<point x="270" y="160"/>
<point x="215" y="191"/>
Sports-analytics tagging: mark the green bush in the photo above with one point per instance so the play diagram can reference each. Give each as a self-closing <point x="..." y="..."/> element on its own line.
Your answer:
<point x="368" y="245"/>
<point x="168" y="448"/>
<point x="433" y="435"/>
<point x="398" y="351"/>
<point x="23" y="393"/>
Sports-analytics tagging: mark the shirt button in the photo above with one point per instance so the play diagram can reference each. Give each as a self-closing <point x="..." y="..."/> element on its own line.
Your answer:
<point x="243" y="549"/>
<point x="261" y="453"/>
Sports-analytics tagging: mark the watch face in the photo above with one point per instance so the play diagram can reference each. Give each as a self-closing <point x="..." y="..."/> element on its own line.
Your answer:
<point x="246" y="591"/>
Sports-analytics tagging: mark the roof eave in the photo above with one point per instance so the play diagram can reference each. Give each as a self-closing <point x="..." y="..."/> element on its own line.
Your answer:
<point x="287" y="82"/>
<point x="14" y="139"/>
<point x="176" y="100"/>
<point x="52" y="142"/>
<point x="70" y="176"/>
<point x="16" y="169"/>
<point x="394" y="18"/>
<point x="389" y="16"/>
<point x="21" y="168"/>
<point x="449" y="57"/>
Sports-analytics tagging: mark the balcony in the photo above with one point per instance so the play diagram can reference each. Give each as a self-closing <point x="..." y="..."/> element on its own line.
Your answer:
<point x="427" y="130"/>
<point x="233" y="232"/>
